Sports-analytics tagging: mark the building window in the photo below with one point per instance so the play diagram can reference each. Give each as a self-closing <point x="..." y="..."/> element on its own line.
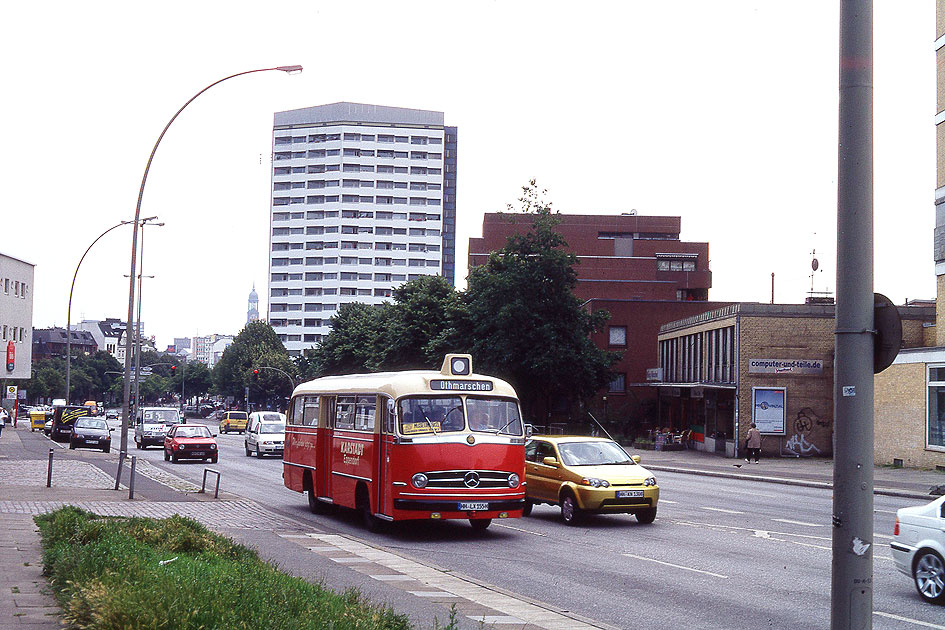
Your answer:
<point x="935" y="434"/>
<point x="617" y="335"/>
<point x="618" y="385"/>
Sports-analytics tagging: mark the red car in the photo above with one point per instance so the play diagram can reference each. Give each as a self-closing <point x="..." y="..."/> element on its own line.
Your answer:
<point x="190" y="441"/>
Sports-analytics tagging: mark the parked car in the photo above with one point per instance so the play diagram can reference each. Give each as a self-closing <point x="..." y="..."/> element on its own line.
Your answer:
<point x="919" y="548"/>
<point x="587" y="474"/>
<point x="91" y="432"/>
<point x="112" y="414"/>
<point x="233" y="421"/>
<point x="190" y="441"/>
<point x="152" y="424"/>
<point x="47" y="428"/>
<point x="265" y="433"/>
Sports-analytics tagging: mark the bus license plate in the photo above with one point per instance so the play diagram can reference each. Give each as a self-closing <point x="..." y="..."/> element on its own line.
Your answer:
<point x="629" y="494"/>
<point x="473" y="507"/>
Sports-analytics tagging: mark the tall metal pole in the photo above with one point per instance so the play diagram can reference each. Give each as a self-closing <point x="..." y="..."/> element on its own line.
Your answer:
<point x="68" y="395"/>
<point x="126" y="388"/>
<point x="852" y="567"/>
<point x="141" y="277"/>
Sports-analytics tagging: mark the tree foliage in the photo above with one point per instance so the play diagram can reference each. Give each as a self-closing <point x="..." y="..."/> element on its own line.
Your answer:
<point x="256" y="347"/>
<point x="89" y="378"/>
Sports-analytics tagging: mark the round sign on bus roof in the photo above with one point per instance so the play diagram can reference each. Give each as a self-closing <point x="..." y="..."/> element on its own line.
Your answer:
<point x="460" y="366"/>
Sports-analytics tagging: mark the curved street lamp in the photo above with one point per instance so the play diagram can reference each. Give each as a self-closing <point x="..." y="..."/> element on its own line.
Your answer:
<point x="283" y="372"/>
<point x="69" y="311"/>
<point x="134" y="246"/>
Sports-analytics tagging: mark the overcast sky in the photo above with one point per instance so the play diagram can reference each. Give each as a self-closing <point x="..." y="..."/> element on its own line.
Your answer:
<point x="723" y="113"/>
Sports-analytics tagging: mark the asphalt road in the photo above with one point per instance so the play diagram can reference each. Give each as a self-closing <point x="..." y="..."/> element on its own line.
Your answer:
<point x="721" y="554"/>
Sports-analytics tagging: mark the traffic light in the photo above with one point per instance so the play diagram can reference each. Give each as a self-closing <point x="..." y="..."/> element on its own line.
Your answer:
<point x="255" y="371"/>
<point x="173" y="370"/>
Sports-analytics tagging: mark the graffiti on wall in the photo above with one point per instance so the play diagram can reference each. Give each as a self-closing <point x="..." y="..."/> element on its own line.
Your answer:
<point x="798" y="445"/>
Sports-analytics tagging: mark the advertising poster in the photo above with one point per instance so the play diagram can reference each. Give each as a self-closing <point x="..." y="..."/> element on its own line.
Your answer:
<point x="768" y="407"/>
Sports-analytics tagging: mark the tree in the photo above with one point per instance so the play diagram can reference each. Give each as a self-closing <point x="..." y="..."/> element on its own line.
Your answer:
<point x="418" y="322"/>
<point x="355" y="343"/>
<point x="520" y="319"/>
<point x="256" y="346"/>
<point x="196" y="378"/>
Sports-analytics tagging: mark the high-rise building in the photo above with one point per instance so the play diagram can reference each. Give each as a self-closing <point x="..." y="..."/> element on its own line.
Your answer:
<point x="363" y="199"/>
<point x="252" y="311"/>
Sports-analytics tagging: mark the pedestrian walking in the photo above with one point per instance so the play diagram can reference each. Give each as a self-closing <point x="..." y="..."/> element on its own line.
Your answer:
<point x="753" y="443"/>
<point x="3" y="419"/>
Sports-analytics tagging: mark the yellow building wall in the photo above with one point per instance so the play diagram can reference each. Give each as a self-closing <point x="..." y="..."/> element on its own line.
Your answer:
<point x="899" y="408"/>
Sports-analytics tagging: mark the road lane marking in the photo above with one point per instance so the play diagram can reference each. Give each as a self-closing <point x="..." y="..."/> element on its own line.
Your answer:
<point x="715" y="509"/>
<point x="924" y="624"/>
<point x="885" y="511"/>
<point x="519" y="529"/>
<point x="677" y="566"/>
<point x="790" y="522"/>
<point x="668" y="501"/>
<point x="750" y="530"/>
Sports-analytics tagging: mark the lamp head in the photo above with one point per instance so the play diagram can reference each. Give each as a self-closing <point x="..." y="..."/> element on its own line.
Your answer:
<point x="290" y="69"/>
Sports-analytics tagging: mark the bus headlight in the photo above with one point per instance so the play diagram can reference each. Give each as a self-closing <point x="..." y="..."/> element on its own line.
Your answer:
<point x="419" y="480"/>
<point x="513" y="480"/>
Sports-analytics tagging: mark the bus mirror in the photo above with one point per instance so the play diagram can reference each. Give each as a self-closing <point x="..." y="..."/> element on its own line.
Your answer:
<point x="390" y="407"/>
<point x="529" y="430"/>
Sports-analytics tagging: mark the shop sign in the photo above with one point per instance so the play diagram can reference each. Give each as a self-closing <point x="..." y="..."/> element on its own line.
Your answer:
<point x="654" y="374"/>
<point x="796" y="367"/>
<point x="768" y="406"/>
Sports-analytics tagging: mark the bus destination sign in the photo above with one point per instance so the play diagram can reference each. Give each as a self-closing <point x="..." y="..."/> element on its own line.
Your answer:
<point x="461" y="386"/>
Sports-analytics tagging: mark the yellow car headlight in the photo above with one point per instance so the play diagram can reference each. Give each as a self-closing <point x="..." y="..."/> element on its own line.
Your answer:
<point x="594" y="482"/>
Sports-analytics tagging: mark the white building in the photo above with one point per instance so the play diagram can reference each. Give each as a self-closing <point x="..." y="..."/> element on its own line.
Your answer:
<point x="363" y="199"/>
<point x="209" y="349"/>
<point x="16" y="317"/>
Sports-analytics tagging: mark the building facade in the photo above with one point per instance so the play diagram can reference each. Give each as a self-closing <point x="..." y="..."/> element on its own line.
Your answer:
<point x="638" y="270"/>
<point x="106" y="333"/>
<point x="772" y="364"/>
<point x="51" y="342"/>
<point x="620" y="257"/>
<point x="16" y="313"/>
<point x="363" y="199"/>
<point x="209" y="349"/>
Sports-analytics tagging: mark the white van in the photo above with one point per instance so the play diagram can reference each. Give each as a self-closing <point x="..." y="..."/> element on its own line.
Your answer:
<point x="152" y="423"/>
<point x="265" y="433"/>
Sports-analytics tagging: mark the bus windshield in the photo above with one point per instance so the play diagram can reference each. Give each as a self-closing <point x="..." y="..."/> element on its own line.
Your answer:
<point x="494" y="415"/>
<point x="431" y="415"/>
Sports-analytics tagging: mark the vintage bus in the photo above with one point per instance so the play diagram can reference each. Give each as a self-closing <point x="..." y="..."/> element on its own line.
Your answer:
<point x="408" y="445"/>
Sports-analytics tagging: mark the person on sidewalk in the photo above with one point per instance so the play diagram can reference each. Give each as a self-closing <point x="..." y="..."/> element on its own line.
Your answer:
<point x="753" y="443"/>
<point x="3" y="419"/>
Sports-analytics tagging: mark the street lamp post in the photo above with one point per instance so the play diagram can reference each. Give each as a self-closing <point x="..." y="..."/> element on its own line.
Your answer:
<point x="137" y="338"/>
<point x="68" y="396"/>
<point x="134" y="245"/>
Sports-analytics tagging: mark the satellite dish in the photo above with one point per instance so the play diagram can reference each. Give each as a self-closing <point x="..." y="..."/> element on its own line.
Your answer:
<point x="814" y="264"/>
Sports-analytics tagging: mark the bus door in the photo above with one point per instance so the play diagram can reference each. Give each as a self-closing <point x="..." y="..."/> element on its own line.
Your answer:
<point x="326" y="425"/>
<point x="385" y="410"/>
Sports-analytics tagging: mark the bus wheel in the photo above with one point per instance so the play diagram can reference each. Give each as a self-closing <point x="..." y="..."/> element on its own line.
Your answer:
<point x="371" y="522"/>
<point x="480" y="524"/>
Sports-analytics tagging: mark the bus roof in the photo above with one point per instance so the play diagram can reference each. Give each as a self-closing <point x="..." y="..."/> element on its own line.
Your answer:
<point x="412" y="382"/>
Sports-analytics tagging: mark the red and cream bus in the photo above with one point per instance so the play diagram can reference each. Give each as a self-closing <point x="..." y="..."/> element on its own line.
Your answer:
<point x="409" y="445"/>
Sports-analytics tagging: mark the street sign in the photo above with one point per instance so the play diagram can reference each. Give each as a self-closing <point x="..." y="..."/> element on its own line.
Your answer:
<point x="888" y="327"/>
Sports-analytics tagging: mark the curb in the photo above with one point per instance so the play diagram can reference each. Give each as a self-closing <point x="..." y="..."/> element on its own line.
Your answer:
<point x="824" y="485"/>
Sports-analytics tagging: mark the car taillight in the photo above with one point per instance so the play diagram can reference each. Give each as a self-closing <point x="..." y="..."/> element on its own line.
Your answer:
<point x="896" y="528"/>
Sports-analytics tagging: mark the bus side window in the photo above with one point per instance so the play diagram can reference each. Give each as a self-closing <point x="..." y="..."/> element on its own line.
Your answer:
<point x="365" y="412"/>
<point x="309" y="415"/>
<point x="344" y="412"/>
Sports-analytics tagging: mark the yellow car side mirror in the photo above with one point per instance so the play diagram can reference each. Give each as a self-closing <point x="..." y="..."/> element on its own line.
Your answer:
<point x="549" y="461"/>
<point x="636" y="459"/>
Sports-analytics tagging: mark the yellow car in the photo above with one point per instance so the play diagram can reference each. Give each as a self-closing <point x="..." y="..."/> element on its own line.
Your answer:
<point x="587" y="474"/>
<point x="233" y="421"/>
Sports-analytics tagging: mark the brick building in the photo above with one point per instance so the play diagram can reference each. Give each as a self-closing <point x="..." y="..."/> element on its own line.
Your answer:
<point x="771" y="364"/>
<point x="51" y="342"/>
<point x="620" y="257"/>
<point x="637" y="269"/>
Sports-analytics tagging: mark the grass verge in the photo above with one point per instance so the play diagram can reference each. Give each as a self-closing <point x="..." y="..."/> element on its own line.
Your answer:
<point x="137" y="573"/>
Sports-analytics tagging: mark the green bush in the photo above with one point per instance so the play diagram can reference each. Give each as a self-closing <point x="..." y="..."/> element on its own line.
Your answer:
<point x="107" y="574"/>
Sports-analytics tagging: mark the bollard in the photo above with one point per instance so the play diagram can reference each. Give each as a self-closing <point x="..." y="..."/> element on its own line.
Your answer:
<point x="49" y="470"/>
<point x="203" y="486"/>
<point x="121" y="464"/>
<point x="131" y="481"/>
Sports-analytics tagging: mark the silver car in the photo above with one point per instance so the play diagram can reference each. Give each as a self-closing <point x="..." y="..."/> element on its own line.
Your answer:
<point x="265" y="433"/>
<point x="919" y="548"/>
